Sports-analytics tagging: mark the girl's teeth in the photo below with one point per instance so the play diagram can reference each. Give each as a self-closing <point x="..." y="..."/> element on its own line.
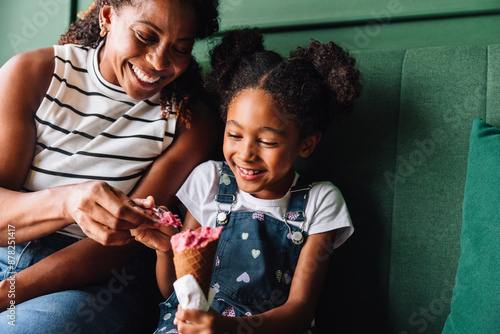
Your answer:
<point x="249" y="172"/>
<point x="143" y="76"/>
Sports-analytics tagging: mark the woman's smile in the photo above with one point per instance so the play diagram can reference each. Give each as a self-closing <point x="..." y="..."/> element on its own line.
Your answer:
<point x="144" y="77"/>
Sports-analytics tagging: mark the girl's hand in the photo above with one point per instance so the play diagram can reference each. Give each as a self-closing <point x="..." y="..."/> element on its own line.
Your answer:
<point x="104" y="213"/>
<point x="155" y="236"/>
<point x="199" y="322"/>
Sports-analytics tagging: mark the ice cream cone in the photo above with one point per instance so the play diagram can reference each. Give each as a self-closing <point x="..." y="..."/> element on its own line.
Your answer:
<point x="197" y="262"/>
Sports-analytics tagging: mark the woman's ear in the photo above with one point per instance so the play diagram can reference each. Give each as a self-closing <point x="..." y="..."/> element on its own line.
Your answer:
<point x="309" y="144"/>
<point x="105" y="15"/>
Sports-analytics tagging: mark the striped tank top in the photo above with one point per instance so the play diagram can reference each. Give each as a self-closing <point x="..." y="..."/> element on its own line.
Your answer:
<point x="89" y="129"/>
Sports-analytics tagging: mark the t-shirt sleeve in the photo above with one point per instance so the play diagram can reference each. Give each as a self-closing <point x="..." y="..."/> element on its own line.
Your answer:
<point x="327" y="211"/>
<point x="198" y="191"/>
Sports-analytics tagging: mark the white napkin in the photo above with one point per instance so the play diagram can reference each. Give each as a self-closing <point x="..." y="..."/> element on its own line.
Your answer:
<point x="190" y="295"/>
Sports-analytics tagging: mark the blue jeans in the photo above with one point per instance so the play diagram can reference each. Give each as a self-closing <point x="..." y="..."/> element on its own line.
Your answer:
<point x="114" y="305"/>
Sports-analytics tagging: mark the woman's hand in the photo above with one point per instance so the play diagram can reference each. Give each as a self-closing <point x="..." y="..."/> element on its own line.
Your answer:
<point x="104" y="213"/>
<point x="199" y="322"/>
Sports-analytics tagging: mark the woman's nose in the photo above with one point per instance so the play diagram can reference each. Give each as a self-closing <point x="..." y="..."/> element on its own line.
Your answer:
<point x="159" y="60"/>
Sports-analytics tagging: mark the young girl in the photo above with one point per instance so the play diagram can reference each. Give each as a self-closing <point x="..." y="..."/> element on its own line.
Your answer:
<point x="279" y="230"/>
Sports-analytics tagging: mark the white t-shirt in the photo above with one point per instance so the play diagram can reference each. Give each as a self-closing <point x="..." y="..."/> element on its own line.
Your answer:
<point x="325" y="211"/>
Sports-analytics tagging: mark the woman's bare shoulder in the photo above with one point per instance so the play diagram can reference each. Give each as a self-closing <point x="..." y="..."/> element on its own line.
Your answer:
<point x="38" y="59"/>
<point x="28" y="75"/>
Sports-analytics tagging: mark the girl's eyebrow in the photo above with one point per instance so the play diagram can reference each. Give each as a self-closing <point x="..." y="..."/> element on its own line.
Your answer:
<point x="233" y="122"/>
<point x="273" y="130"/>
<point x="262" y="129"/>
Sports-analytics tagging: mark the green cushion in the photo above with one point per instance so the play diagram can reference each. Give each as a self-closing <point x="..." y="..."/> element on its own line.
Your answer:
<point x="475" y="306"/>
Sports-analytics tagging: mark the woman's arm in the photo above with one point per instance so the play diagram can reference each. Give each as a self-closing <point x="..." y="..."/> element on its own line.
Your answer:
<point x="75" y="266"/>
<point x="101" y="211"/>
<point x="24" y="81"/>
<point x="292" y="317"/>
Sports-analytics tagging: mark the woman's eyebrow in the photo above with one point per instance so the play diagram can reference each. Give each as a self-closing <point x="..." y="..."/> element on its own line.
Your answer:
<point x="155" y="27"/>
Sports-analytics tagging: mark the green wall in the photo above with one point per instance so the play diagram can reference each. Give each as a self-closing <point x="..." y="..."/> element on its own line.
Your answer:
<point x="355" y="24"/>
<point x="31" y="24"/>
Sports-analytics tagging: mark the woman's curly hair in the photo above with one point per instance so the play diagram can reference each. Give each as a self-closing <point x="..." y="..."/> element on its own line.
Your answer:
<point x="184" y="89"/>
<point x="315" y="83"/>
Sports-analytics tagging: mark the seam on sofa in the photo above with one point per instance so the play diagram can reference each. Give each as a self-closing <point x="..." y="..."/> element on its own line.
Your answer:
<point x="397" y="148"/>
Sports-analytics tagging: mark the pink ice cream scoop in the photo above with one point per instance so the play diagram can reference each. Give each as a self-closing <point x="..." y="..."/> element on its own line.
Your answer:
<point x="198" y="238"/>
<point x="167" y="218"/>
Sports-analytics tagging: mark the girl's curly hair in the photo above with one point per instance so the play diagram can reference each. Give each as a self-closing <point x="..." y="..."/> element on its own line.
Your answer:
<point x="188" y="85"/>
<point x="315" y="83"/>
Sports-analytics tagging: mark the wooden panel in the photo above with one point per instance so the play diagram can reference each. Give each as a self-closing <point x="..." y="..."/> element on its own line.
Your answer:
<point x="473" y="30"/>
<point x="289" y="13"/>
<point x="296" y="13"/>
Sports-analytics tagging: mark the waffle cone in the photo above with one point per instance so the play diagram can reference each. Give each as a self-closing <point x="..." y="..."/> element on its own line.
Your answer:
<point x="197" y="262"/>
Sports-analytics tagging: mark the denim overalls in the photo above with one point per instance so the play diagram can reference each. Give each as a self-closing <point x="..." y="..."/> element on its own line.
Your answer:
<point x="255" y="260"/>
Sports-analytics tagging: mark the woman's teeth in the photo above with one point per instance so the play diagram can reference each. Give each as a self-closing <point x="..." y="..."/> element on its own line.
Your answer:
<point x="141" y="75"/>
<point x="249" y="171"/>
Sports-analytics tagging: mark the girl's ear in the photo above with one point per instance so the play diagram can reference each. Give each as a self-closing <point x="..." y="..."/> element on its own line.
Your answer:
<point x="309" y="144"/>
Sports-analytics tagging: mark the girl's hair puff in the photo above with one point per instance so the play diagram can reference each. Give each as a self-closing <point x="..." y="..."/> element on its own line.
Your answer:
<point x="315" y="83"/>
<point x="189" y="85"/>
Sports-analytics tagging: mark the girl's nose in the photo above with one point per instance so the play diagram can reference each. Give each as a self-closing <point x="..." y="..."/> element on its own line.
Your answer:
<point x="246" y="151"/>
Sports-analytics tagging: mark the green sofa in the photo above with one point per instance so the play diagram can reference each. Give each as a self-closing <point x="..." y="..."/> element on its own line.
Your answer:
<point x="401" y="162"/>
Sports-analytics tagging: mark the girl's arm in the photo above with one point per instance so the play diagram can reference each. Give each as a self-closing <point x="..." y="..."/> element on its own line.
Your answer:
<point x="294" y="316"/>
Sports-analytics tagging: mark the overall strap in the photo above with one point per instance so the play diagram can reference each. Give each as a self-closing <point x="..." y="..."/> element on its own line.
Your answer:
<point x="298" y="200"/>
<point x="227" y="185"/>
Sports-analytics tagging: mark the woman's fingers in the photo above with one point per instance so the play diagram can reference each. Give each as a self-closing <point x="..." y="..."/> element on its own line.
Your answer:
<point x="105" y="214"/>
<point x="105" y="235"/>
<point x="122" y="210"/>
<point x="145" y="203"/>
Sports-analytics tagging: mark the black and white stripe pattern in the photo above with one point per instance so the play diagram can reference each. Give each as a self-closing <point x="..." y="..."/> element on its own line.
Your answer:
<point x="89" y="129"/>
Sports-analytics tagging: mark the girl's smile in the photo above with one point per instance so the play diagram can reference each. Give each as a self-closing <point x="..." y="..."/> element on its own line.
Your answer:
<point x="249" y="174"/>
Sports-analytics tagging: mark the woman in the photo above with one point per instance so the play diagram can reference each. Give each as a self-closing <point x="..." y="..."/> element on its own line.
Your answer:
<point x="85" y="128"/>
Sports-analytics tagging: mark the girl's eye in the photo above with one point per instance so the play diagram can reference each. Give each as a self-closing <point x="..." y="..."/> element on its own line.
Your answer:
<point x="231" y="135"/>
<point x="270" y="144"/>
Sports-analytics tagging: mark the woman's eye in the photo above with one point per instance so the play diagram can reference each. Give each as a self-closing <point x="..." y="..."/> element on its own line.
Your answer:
<point x="182" y="51"/>
<point x="144" y="39"/>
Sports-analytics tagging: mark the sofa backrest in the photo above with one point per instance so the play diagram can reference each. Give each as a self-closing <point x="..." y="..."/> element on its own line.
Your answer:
<point x="400" y="160"/>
